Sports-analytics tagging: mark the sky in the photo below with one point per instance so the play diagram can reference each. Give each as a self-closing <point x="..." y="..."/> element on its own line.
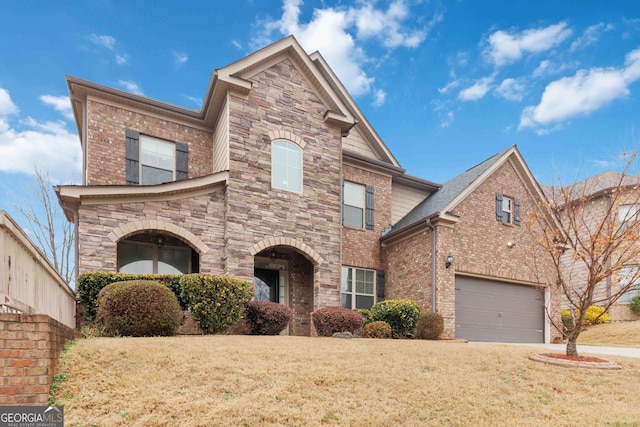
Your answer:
<point x="446" y="84"/>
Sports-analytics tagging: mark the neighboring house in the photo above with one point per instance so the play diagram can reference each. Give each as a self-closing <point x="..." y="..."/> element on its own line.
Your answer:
<point x="280" y="179"/>
<point x="623" y="208"/>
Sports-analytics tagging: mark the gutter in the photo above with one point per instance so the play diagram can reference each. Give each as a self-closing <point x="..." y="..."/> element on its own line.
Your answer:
<point x="433" y="265"/>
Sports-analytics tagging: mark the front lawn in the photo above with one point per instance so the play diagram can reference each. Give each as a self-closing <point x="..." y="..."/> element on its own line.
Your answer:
<point x="257" y="381"/>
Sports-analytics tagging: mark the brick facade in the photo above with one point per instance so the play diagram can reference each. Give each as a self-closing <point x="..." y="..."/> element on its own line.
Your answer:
<point x="30" y="346"/>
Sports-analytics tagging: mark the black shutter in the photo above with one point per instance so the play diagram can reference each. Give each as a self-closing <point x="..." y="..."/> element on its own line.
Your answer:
<point x="369" y="211"/>
<point x="380" y="284"/>
<point x="132" y="169"/>
<point x="182" y="161"/>
<point x="516" y="211"/>
<point x="499" y="216"/>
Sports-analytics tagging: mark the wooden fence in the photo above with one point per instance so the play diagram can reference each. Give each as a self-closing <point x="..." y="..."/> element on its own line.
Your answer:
<point x="29" y="284"/>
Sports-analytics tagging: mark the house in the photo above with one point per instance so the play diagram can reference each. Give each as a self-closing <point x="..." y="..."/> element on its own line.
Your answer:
<point x="612" y="199"/>
<point x="281" y="179"/>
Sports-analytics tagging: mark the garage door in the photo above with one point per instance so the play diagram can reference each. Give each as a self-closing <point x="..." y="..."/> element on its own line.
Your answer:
<point x="497" y="311"/>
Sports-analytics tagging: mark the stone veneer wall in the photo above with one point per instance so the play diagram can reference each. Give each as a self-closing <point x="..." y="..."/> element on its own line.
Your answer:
<point x="202" y="216"/>
<point x="30" y="345"/>
<point x="282" y="100"/>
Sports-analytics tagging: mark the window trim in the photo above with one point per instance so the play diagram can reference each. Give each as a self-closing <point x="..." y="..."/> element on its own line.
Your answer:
<point x="363" y="208"/>
<point x="509" y="216"/>
<point x="625" y="298"/>
<point x="142" y="164"/>
<point x="288" y="167"/>
<point x="353" y="293"/>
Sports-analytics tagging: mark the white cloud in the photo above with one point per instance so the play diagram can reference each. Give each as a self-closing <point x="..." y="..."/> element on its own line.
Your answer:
<point x="590" y="36"/>
<point x="379" y="97"/>
<point x="505" y="48"/>
<point x="131" y="86"/>
<point x="105" y="41"/>
<point x="60" y="104"/>
<point x="446" y="122"/>
<point x="582" y="93"/>
<point x="7" y="106"/>
<point x="478" y="90"/>
<point x="122" y="59"/>
<point x="236" y="44"/>
<point x="180" y="58"/>
<point x="451" y="85"/>
<point x="339" y="34"/>
<point x="46" y="145"/>
<point x="511" y="89"/>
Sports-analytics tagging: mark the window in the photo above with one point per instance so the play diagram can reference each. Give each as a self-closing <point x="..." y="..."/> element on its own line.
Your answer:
<point x="357" y="288"/>
<point x="286" y="166"/>
<point x="507" y="209"/>
<point x="157" y="160"/>
<point x="629" y="275"/>
<point x="353" y="205"/>
<point x="151" y="161"/>
<point x="628" y="214"/>
<point x="149" y="258"/>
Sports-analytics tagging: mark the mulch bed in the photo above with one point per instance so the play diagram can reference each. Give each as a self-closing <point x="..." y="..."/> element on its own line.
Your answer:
<point x="574" y="362"/>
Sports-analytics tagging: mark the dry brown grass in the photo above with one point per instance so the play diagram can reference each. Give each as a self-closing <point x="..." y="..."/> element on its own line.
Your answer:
<point x="612" y="334"/>
<point x="257" y="381"/>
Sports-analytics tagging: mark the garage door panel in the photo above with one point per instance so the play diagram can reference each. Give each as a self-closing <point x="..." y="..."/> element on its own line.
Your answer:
<point x="496" y="311"/>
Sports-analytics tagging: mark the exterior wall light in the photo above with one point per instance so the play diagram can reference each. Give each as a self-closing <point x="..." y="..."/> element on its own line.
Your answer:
<point x="449" y="261"/>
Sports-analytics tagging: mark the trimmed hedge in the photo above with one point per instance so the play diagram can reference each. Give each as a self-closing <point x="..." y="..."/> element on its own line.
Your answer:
<point x="329" y="320"/>
<point x="430" y="326"/>
<point x="594" y="315"/>
<point x="267" y="318"/>
<point x="90" y="285"/>
<point x="635" y="304"/>
<point x="138" y="308"/>
<point x="366" y="314"/>
<point x="217" y="302"/>
<point x="401" y="314"/>
<point x="377" y="329"/>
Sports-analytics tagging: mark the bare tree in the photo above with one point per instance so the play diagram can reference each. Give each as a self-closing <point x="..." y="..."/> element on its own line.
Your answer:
<point x="51" y="231"/>
<point x="591" y="232"/>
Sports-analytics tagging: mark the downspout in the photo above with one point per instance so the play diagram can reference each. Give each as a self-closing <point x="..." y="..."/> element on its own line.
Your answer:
<point x="433" y="265"/>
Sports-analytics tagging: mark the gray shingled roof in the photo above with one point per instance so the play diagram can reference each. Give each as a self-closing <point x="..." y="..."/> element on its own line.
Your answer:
<point x="440" y="199"/>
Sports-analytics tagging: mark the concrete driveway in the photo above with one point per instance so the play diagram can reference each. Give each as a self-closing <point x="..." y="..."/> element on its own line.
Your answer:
<point x="583" y="349"/>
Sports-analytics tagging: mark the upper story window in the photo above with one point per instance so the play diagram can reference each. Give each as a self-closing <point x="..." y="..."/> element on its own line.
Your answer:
<point x="157" y="160"/>
<point x="628" y="214"/>
<point x="357" y="205"/>
<point x="629" y="276"/>
<point x="286" y="166"/>
<point x="151" y="161"/>
<point x="507" y="209"/>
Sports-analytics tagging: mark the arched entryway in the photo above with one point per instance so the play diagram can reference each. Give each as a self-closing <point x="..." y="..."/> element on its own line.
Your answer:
<point x="283" y="274"/>
<point x="155" y="252"/>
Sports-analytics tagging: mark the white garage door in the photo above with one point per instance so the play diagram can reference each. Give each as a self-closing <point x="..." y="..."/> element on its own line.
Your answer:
<point x="497" y="311"/>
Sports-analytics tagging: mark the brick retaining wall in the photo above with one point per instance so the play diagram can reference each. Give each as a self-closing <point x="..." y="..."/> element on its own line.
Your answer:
<point x="30" y="345"/>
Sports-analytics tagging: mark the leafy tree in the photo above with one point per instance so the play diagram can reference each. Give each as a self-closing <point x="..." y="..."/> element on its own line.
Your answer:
<point x="591" y="232"/>
<point x="48" y="227"/>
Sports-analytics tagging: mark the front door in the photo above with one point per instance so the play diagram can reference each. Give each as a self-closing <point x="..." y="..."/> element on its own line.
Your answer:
<point x="266" y="284"/>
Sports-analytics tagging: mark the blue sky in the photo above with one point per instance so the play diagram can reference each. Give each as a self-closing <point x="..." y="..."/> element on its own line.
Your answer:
<point x="446" y="84"/>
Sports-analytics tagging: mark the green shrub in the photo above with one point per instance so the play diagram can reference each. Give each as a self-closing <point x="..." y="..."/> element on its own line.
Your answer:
<point x="366" y="314"/>
<point x="267" y="318"/>
<point x="216" y="302"/>
<point x="430" y="326"/>
<point x="90" y="285"/>
<point x="402" y="315"/>
<point x="138" y="308"/>
<point x="376" y="329"/>
<point x="635" y="304"/>
<point x="329" y="320"/>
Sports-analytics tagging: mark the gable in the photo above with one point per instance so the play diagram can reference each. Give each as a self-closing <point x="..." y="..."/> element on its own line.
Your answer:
<point x="356" y="143"/>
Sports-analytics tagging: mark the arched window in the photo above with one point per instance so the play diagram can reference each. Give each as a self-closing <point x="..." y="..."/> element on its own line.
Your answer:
<point x="149" y="254"/>
<point x="286" y="166"/>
